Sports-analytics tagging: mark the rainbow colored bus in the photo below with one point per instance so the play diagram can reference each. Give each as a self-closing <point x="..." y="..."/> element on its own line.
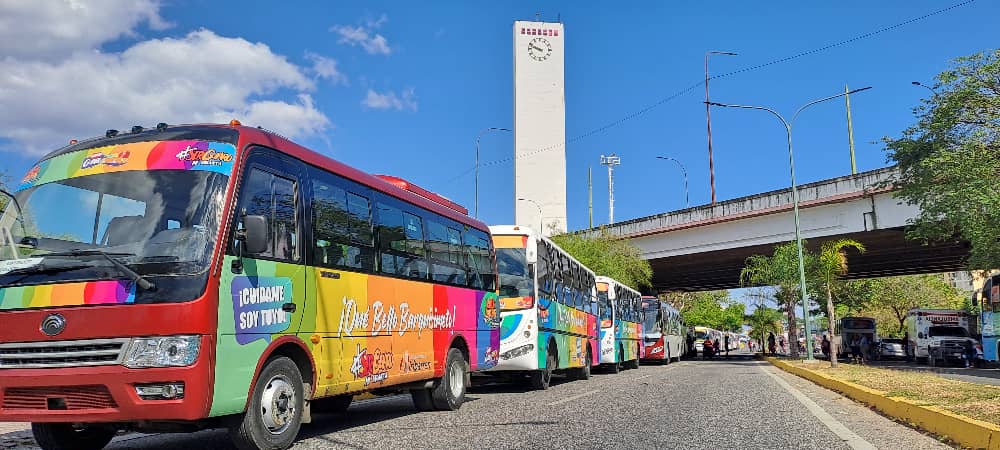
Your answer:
<point x="665" y="332"/>
<point x="189" y="277"/>
<point x="548" y="311"/>
<point x="621" y="325"/>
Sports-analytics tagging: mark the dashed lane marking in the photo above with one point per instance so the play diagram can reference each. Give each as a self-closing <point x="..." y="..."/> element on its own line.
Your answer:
<point x="575" y="397"/>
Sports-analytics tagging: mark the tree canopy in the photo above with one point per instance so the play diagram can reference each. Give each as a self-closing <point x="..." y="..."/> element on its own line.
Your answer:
<point x="948" y="160"/>
<point x="713" y="309"/>
<point x="610" y="257"/>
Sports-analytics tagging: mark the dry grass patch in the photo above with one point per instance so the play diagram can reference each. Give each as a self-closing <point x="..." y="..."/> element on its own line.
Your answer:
<point x="969" y="399"/>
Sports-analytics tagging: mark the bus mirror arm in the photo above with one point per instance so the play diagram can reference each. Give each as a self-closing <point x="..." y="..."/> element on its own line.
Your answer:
<point x="251" y="238"/>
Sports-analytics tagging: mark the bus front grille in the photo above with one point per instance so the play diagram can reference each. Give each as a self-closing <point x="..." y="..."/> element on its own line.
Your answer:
<point x="58" y="398"/>
<point x="41" y="355"/>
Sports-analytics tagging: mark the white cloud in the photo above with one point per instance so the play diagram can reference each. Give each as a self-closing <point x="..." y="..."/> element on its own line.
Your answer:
<point x="54" y="29"/>
<point x="199" y="77"/>
<point x="326" y="68"/>
<point x="365" y="36"/>
<point x="390" y="100"/>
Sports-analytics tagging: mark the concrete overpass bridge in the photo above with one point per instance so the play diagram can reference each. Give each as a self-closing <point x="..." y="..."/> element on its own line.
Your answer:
<point x="704" y="247"/>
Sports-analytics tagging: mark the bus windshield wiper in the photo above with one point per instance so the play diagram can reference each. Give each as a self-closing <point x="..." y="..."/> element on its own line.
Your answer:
<point x="139" y="280"/>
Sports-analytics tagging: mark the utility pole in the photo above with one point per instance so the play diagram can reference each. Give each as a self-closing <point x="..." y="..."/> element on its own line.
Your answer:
<point x="850" y="128"/>
<point x="590" y="195"/>
<point x="611" y="161"/>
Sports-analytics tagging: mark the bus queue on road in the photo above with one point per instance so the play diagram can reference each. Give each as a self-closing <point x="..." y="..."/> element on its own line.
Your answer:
<point x="222" y="276"/>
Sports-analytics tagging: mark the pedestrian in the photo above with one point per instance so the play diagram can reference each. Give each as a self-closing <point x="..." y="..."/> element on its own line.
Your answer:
<point x="770" y="343"/>
<point x="855" y="348"/>
<point x="865" y="348"/>
<point x="717" y="347"/>
<point x="706" y="349"/>
<point x="970" y="353"/>
<point x="727" y="345"/>
<point x="690" y="345"/>
<point x="781" y="343"/>
<point x="825" y="345"/>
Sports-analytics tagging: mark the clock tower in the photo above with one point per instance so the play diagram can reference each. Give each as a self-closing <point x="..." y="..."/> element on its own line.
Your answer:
<point x="539" y="126"/>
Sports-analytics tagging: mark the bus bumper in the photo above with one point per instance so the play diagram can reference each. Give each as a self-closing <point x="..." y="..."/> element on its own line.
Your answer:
<point x="656" y="350"/>
<point x="103" y="394"/>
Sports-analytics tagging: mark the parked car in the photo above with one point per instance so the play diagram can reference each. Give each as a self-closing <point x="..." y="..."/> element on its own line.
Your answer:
<point x="891" y="348"/>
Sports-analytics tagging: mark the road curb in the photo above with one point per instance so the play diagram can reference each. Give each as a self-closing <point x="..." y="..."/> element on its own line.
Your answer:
<point x="968" y="432"/>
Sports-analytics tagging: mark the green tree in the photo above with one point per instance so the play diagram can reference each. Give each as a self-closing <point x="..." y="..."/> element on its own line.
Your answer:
<point x="780" y="270"/>
<point x="949" y="159"/>
<point x="827" y="268"/>
<point x="705" y="309"/>
<point x="888" y="299"/>
<point x="762" y="321"/>
<point x="610" y="257"/>
<point x="733" y="317"/>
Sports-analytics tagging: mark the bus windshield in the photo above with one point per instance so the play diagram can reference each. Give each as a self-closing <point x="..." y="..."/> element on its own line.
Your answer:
<point x="156" y="222"/>
<point x="948" y="331"/>
<point x="700" y="335"/>
<point x="516" y="277"/>
<point x="651" y="321"/>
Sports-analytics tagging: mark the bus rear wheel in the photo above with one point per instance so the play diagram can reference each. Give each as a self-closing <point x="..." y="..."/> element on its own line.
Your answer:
<point x="448" y="393"/>
<point x="274" y="415"/>
<point x="541" y="379"/>
<point x="65" y="436"/>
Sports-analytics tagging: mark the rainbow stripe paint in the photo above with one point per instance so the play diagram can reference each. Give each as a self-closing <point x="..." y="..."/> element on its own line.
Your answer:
<point x="152" y="155"/>
<point x="68" y="294"/>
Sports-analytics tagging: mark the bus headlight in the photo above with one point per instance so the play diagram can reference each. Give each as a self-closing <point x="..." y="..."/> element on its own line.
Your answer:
<point x="162" y="351"/>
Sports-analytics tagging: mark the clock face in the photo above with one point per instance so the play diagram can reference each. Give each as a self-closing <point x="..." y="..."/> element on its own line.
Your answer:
<point x="539" y="49"/>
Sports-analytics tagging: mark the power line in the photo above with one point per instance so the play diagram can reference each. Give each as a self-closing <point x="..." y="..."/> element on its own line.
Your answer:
<point x="694" y="86"/>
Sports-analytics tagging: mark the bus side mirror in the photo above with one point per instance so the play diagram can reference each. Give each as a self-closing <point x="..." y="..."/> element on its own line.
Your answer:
<point x="254" y="234"/>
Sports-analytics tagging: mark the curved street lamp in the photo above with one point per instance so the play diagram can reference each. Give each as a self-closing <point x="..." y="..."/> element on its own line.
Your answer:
<point x="917" y="83"/>
<point x="687" y="202"/>
<point x="539" y="212"/>
<point x="795" y="201"/>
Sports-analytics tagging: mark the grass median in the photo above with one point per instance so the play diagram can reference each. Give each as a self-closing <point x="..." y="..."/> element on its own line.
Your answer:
<point x="973" y="400"/>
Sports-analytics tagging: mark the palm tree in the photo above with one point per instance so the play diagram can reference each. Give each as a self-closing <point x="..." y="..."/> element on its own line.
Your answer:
<point x="781" y="270"/>
<point x="830" y="265"/>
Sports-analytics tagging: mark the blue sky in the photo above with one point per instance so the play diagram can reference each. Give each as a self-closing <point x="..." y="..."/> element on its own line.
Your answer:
<point x="434" y="75"/>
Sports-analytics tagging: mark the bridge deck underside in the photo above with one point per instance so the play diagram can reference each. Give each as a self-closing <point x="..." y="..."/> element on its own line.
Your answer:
<point x="888" y="253"/>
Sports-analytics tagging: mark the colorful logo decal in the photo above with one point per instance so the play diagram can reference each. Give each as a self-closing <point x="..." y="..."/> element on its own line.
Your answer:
<point x="373" y="367"/>
<point x="257" y="307"/>
<point x="105" y="159"/>
<point x="204" y="157"/>
<point x="381" y="319"/>
<point x="489" y="311"/>
<point x="414" y="363"/>
<point x="32" y="175"/>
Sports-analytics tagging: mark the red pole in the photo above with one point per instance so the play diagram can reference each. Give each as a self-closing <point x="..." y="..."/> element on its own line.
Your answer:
<point x="708" y="120"/>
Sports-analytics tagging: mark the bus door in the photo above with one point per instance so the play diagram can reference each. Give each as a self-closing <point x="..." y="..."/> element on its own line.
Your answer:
<point x="262" y="292"/>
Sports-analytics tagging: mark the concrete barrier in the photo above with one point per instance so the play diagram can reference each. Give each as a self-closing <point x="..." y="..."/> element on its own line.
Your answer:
<point x="968" y="432"/>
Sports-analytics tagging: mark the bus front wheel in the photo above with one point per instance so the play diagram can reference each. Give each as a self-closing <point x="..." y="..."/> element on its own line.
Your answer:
<point x="541" y="379"/>
<point x="64" y="436"/>
<point x="274" y="415"/>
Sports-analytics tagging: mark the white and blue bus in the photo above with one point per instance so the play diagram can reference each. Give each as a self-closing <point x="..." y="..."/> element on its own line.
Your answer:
<point x="548" y="311"/>
<point x="621" y="324"/>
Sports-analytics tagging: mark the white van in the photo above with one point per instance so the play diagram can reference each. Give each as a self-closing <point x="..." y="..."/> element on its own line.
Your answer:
<point x="941" y="331"/>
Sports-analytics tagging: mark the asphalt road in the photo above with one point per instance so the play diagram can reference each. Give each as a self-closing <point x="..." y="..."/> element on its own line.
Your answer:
<point x="736" y="403"/>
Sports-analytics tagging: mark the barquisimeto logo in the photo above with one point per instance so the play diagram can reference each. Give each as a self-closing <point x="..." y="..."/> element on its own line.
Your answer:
<point x="105" y="159"/>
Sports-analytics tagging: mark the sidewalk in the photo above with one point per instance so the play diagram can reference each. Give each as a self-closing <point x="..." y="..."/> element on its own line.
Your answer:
<point x="10" y="427"/>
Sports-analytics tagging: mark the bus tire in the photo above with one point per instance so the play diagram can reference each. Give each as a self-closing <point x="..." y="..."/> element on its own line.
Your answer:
<point x="583" y="373"/>
<point x="635" y="362"/>
<point x="542" y="379"/>
<point x="448" y="393"/>
<point x="422" y="399"/>
<point x="334" y="404"/>
<point x="274" y="414"/>
<point x="65" y="436"/>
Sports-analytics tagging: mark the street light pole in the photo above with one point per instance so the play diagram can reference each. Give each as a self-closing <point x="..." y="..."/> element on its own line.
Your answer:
<point x="539" y="212"/>
<point x="481" y="133"/>
<point x="795" y="203"/>
<point x="917" y="83"/>
<point x="687" y="201"/>
<point x="708" y="120"/>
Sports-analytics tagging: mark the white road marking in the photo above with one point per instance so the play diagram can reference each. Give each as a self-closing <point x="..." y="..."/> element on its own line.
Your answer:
<point x="575" y="397"/>
<point x="850" y="438"/>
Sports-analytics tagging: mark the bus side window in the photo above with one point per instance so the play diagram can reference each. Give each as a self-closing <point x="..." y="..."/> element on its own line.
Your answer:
<point x="480" y="259"/>
<point x="273" y="197"/>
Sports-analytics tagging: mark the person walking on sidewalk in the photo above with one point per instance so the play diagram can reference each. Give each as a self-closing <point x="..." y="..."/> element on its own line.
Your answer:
<point x="770" y="343"/>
